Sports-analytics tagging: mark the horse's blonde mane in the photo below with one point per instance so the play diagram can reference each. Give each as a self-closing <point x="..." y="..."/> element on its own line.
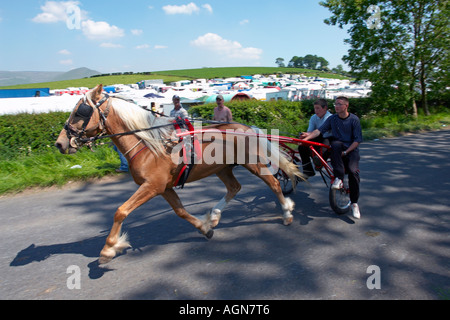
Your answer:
<point x="136" y="118"/>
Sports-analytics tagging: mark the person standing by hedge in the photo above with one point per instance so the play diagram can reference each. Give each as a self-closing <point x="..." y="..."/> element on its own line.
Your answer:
<point x="221" y="112"/>
<point x="347" y="136"/>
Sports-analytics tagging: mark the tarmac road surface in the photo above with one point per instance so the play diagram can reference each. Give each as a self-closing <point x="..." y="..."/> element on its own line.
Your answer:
<point x="50" y="240"/>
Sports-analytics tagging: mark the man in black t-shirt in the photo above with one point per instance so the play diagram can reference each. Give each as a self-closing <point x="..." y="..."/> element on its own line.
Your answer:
<point x="346" y="138"/>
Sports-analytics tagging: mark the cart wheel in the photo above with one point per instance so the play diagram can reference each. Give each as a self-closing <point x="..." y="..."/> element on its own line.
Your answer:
<point x="340" y="200"/>
<point x="285" y="182"/>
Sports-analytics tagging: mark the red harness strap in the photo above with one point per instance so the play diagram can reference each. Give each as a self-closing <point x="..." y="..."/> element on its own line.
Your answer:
<point x="184" y="173"/>
<point x="132" y="158"/>
<point x="180" y="175"/>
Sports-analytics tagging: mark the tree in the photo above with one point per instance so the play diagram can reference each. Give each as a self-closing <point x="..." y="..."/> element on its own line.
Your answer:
<point x="280" y="62"/>
<point x="309" y="62"/>
<point x="399" y="45"/>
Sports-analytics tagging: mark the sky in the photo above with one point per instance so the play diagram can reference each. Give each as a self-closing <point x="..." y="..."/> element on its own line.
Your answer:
<point x="155" y="35"/>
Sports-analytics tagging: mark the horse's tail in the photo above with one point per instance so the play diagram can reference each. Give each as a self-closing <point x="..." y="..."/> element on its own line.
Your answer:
<point x="290" y="168"/>
<point x="279" y="159"/>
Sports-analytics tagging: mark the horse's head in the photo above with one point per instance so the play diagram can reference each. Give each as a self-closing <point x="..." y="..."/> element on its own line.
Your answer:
<point x="84" y="122"/>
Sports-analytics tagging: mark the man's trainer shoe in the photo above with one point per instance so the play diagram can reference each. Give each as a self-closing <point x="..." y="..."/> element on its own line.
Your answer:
<point x="355" y="211"/>
<point x="337" y="184"/>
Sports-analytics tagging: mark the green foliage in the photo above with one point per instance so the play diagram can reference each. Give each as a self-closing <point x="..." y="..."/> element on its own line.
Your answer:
<point x="282" y="115"/>
<point x="26" y="133"/>
<point x="405" y="55"/>
<point x="50" y="168"/>
<point x="309" y="62"/>
<point x="28" y="157"/>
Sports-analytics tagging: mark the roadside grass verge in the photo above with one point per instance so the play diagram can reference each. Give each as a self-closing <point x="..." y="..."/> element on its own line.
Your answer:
<point x="54" y="169"/>
<point x="377" y="127"/>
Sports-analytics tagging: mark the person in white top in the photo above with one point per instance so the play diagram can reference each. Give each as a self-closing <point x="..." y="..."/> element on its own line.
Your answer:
<point x="178" y="110"/>
<point x="316" y="121"/>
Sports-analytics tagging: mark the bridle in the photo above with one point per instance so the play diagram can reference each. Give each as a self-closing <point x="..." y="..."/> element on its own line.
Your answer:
<point x="77" y="138"/>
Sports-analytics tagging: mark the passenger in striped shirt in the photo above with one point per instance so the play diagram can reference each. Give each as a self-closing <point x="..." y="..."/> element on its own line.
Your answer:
<point x="345" y="141"/>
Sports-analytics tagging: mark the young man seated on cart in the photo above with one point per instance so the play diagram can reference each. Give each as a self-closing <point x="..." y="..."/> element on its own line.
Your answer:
<point x="345" y="141"/>
<point x="316" y="121"/>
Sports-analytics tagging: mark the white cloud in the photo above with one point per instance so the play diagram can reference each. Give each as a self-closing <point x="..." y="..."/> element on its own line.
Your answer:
<point x="137" y="32"/>
<point x="183" y="9"/>
<point x="228" y="48"/>
<point x="66" y="62"/>
<point x="244" y="22"/>
<point x="110" y="45"/>
<point x="100" y="30"/>
<point x="64" y="52"/>
<point x="186" y="9"/>
<point x="142" y="46"/>
<point x="208" y="7"/>
<point x="55" y="11"/>
<point x="158" y="46"/>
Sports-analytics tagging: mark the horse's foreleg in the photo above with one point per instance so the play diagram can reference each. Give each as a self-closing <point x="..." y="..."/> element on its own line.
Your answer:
<point x="172" y="198"/>
<point x="286" y="203"/>
<point x="233" y="187"/>
<point x="115" y="243"/>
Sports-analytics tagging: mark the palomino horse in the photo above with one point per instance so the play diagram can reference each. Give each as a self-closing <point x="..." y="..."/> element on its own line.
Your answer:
<point x="154" y="165"/>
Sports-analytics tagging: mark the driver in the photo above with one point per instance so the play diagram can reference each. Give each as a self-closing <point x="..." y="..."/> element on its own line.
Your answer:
<point x="347" y="136"/>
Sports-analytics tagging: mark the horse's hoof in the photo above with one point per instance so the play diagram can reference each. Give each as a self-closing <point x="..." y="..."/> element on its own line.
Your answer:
<point x="288" y="221"/>
<point x="104" y="260"/>
<point x="209" y="234"/>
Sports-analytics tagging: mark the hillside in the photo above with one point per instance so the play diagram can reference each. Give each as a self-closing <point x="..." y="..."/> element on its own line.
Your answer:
<point x="13" y="78"/>
<point x="74" y="74"/>
<point x="173" y="75"/>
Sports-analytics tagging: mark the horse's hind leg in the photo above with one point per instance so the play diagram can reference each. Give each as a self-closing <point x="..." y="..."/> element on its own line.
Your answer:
<point x="115" y="243"/>
<point x="286" y="203"/>
<point x="175" y="202"/>
<point x="233" y="187"/>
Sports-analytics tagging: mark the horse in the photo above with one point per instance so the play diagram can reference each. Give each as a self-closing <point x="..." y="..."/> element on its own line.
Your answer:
<point x="150" y="142"/>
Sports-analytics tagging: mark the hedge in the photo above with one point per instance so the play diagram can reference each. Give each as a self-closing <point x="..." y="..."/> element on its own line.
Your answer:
<point x="26" y="133"/>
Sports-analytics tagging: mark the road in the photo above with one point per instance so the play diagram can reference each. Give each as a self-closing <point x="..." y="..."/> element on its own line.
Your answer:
<point x="49" y="238"/>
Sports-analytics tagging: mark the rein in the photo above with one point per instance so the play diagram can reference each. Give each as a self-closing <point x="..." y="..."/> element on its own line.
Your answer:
<point x="92" y="139"/>
<point x="86" y="113"/>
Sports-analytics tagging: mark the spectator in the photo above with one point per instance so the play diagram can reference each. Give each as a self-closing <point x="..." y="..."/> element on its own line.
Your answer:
<point x="221" y="112"/>
<point x="178" y="110"/>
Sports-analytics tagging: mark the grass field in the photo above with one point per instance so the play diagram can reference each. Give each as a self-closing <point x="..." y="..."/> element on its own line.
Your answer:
<point x="172" y="76"/>
<point x="211" y="73"/>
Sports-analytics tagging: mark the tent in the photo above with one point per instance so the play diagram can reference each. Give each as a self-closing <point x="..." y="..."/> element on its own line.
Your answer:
<point x="153" y="95"/>
<point x="229" y="97"/>
<point x="241" y="85"/>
